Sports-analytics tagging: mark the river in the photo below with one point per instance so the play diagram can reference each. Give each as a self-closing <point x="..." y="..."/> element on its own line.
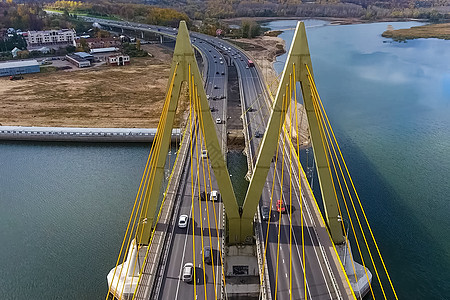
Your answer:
<point x="389" y="104"/>
<point x="64" y="206"/>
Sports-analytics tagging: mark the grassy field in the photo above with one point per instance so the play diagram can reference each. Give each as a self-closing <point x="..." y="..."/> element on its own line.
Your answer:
<point x="123" y="97"/>
<point x="439" y="31"/>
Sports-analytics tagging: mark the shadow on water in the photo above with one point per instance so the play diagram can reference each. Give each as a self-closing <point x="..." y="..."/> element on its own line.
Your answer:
<point x="407" y="249"/>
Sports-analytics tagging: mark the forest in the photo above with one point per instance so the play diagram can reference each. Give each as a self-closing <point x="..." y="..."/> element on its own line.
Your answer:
<point x="366" y="9"/>
<point x="32" y="16"/>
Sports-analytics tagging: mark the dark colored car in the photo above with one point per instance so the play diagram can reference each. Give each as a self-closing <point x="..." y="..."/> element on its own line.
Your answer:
<point x="15" y="77"/>
<point x="203" y="196"/>
<point x="265" y="212"/>
<point x="207" y="255"/>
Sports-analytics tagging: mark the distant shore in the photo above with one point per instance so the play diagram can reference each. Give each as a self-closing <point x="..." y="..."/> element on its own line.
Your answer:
<point x="438" y="31"/>
<point x="332" y="20"/>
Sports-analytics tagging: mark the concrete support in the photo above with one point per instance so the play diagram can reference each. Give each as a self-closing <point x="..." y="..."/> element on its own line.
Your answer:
<point x="358" y="276"/>
<point x="242" y="271"/>
<point x="124" y="278"/>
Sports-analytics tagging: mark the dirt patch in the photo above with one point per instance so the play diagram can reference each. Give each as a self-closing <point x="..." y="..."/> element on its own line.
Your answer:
<point x="235" y="140"/>
<point x="122" y="97"/>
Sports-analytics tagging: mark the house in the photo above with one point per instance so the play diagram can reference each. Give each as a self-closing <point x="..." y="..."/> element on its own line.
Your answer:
<point x="84" y="55"/>
<point x="119" y="60"/>
<point x="15" y="51"/>
<point x="78" y="61"/>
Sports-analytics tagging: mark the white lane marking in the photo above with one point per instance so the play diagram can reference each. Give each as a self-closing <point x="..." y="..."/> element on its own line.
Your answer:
<point x="185" y="241"/>
<point x="301" y="261"/>
<point x="309" y="232"/>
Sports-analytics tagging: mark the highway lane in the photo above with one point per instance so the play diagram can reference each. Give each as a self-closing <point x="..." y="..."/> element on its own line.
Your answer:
<point x="182" y="244"/>
<point x="318" y="280"/>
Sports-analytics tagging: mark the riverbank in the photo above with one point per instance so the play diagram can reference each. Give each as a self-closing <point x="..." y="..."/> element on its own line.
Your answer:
<point x="332" y="20"/>
<point x="438" y="31"/>
<point x="131" y="96"/>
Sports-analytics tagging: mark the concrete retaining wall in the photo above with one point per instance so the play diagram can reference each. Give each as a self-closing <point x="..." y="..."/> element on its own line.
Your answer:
<point x="74" y="134"/>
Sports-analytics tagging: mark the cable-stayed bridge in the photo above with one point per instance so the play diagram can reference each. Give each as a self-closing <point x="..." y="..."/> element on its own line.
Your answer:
<point x="193" y="239"/>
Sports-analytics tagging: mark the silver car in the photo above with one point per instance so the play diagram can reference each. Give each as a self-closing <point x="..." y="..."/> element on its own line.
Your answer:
<point x="188" y="272"/>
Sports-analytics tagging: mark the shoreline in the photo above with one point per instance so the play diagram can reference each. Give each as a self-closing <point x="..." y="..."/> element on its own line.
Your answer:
<point x="332" y="20"/>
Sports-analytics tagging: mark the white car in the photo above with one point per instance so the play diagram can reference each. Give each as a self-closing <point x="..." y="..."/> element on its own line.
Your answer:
<point x="182" y="221"/>
<point x="204" y="153"/>
<point x="214" y="195"/>
<point x="188" y="272"/>
<point x="218" y="121"/>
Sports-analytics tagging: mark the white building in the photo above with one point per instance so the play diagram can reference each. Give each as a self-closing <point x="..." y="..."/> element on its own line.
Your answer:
<point x="62" y="37"/>
<point x="119" y="60"/>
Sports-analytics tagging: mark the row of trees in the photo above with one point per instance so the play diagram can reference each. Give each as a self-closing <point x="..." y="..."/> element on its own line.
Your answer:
<point x="320" y="8"/>
<point x="132" y="12"/>
<point x="31" y="16"/>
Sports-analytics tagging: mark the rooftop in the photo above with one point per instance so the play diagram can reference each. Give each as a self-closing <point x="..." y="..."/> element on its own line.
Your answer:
<point x="102" y="50"/>
<point x="83" y="54"/>
<point x="53" y="30"/>
<point x="16" y="64"/>
<point x="76" y="57"/>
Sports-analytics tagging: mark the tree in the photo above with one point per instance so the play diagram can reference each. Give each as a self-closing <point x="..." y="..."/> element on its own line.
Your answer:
<point x="138" y="44"/>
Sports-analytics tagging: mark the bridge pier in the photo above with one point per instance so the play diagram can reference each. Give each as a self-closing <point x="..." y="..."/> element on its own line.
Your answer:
<point x="241" y="271"/>
<point x="358" y="275"/>
<point x="124" y="278"/>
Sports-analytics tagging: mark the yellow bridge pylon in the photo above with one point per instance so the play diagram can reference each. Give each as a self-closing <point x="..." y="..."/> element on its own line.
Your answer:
<point x="240" y="220"/>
